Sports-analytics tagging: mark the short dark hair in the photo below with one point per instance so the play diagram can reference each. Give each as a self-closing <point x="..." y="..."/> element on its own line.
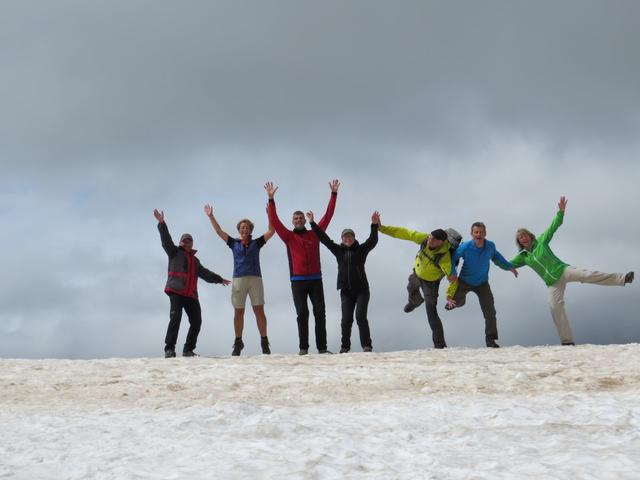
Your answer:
<point x="479" y="225"/>
<point x="298" y="212"/>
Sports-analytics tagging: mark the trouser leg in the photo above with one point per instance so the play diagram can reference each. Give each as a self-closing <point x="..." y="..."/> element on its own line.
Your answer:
<point x="175" y="316"/>
<point x="556" y="305"/>
<point x="299" y="292"/>
<point x="348" y="305"/>
<point x="487" y="305"/>
<point x="192" y="307"/>
<point x="430" y="291"/>
<point x="573" y="274"/>
<point x="413" y="290"/>
<point x="362" y="306"/>
<point x="316" y="294"/>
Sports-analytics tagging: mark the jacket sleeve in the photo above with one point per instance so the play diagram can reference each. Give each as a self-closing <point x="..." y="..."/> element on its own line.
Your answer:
<point x="208" y="276"/>
<point x="549" y="232"/>
<point x="282" y="231"/>
<point x="457" y="255"/>
<point x="445" y="264"/>
<point x="167" y="241"/>
<point x="370" y="243"/>
<point x="500" y="261"/>
<point x="324" y="239"/>
<point x="328" y="215"/>
<point x="403" y="233"/>
<point x="518" y="260"/>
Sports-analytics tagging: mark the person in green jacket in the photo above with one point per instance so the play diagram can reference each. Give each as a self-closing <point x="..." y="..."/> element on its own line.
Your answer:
<point x="431" y="264"/>
<point x="536" y="253"/>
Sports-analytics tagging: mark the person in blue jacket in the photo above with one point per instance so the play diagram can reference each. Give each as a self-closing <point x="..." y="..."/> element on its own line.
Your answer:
<point x="474" y="277"/>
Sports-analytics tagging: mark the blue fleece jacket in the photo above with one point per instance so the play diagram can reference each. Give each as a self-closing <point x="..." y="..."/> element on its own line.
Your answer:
<point x="475" y="269"/>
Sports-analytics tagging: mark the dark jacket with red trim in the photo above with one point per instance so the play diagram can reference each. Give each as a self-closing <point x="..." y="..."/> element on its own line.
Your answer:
<point x="184" y="268"/>
<point x="303" y="246"/>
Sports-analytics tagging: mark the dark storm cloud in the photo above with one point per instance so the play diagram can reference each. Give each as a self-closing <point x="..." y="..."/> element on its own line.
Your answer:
<point x="95" y="81"/>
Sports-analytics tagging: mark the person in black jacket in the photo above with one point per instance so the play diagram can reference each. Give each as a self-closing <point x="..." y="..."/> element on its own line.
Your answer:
<point x="352" y="279"/>
<point x="182" y="288"/>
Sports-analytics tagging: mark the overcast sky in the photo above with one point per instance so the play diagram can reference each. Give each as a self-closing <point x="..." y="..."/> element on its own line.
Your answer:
<point x="437" y="114"/>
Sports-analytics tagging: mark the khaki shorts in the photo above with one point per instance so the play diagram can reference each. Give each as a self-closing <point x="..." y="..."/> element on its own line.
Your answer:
<point x="243" y="286"/>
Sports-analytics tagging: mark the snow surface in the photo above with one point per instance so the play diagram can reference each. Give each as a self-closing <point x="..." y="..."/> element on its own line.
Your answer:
<point x="535" y="413"/>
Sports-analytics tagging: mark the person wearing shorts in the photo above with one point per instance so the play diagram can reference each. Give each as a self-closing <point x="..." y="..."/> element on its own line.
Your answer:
<point x="247" y="278"/>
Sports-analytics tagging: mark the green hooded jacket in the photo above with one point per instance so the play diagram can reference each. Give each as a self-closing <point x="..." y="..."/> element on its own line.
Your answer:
<point x="424" y="266"/>
<point x="540" y="257"/>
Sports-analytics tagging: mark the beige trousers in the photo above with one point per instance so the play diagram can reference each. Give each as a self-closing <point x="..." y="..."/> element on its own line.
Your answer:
<point x="556" y="294"/>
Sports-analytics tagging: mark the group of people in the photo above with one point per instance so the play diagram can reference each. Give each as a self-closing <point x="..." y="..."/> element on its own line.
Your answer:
<point x="438" y="257"/>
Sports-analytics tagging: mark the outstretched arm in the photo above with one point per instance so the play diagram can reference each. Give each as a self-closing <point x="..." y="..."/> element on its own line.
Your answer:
<point x="282" y="231"/>
<point x="334" y="185"/>
<point x="270" y="231"/>
<point x="165" y="236"/>
<point x="322" y="236"/>
<point x="555" y="224"/>
<point x="208" y="210"/>
<point x="211" y="277"/>
<point x="503" y="263"/>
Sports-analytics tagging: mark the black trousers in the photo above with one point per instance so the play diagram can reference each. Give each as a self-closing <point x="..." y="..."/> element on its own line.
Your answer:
<point x="357" y="301"/>
<point x="430" y="292"/>
<point x="301" y="289"/>
<point x="485" y="297"/>
<point x="192" y="307"/>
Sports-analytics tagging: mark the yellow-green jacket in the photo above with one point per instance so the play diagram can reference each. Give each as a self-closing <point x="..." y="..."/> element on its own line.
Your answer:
<point x="424" y="266"/>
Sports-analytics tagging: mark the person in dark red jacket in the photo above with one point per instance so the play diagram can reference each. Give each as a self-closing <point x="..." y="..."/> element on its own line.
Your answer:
<point x="182" y="288"/>
<point x="303" y="250"/>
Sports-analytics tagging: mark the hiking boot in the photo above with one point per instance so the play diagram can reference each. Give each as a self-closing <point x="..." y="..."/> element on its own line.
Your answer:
<point x="367" y="349"/>
<point x="238" y="345"/>
<point x="189" y="353"/>
<point x="440" y="346"/>
<point x="344" y="350"/>
<point x="325" y="351"/>
<point x="303" y="351"/>
<point x="491" y="342"/>
<point x="264" y="343"/>
<point x="628" y="278"/>
<point x="170" y="353"/>
<point x="568" y="344"/>
<point x="409" y="307"/>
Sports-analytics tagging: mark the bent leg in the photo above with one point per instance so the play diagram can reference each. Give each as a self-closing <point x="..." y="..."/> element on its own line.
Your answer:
<point x="414" y="299"/>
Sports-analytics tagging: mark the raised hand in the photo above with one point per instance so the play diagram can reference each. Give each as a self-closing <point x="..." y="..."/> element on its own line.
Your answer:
<point x="562" y="204"/>
<point x="159" y="215"/>
<point x="208" y="210"/>
<point x="334" y="185"/>
<point x="270" y="189"/>
<point x="375" y="218"/>
<point x="310" y="216"/>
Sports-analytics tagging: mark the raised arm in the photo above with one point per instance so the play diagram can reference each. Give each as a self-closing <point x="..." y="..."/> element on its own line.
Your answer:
<point x="403" y="233"/>
<point x="165" y="236"/>
<point x="282" y="231"/>
<point x="555" y="224"/>
<point x="270" y="231"/>
<point x="208" y="210"/>
<point x="372" y="241"/>
<point x="322" y="236"/>
<point x="334" y="185"/>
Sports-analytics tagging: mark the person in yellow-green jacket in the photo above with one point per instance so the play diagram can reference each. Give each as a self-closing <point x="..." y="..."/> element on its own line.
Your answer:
<point x="536" y="253"/>
<point x="432" y="262"/>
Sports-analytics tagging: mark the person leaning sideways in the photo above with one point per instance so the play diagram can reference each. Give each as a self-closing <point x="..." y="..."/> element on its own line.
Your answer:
<point x="474" y="277"/>
<point x="303" y="250"/>
<point x="247" y="278"/>
<point x="182" y="288"/>
<point x="432" y="262"/>
<point x="536" y="253"/>
<point x="352" y="279"/>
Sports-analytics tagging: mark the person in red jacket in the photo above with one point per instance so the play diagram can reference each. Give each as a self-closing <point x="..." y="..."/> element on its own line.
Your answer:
<point x="303" y="250"/>
<point x="182" y="288"/>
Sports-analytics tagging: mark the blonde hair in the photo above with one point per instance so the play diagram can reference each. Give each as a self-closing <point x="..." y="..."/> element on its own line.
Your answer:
<point x="248" y="222"/>
<point x="526" y="232"/>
